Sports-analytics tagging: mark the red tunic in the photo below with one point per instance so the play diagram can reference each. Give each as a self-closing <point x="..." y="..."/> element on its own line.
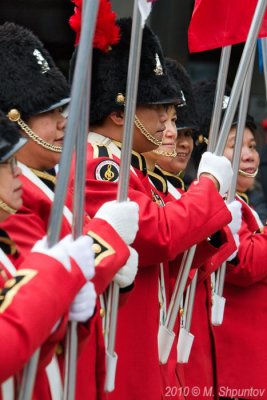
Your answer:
<point x="30" y="305"/>
<point x="28" y="225"/>
<point x="200" y="371"/>
<point x="163" y="233"/>
<point x="241" y="339"/>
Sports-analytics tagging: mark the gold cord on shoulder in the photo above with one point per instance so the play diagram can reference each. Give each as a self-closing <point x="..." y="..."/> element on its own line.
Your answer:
<point x="44" y="175"/>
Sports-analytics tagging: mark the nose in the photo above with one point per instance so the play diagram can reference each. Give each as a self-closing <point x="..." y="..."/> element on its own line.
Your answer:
<point x="181" y="141"/>
<point x="170" y="131"/>
<point x="247" y="153"/>
<point x="17" y="171"/>
<point x="62" y="121"/>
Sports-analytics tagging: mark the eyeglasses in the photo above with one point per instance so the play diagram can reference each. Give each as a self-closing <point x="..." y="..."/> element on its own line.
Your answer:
<point x="12" y="162"/>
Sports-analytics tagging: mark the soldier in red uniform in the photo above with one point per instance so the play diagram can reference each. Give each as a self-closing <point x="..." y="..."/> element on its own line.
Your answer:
<point x="34" y="99"/>
<point x="164" y="231"/>
<point x="169" y="163"/>
<point x="240" y="340"/>
<point x="31" y="299"/>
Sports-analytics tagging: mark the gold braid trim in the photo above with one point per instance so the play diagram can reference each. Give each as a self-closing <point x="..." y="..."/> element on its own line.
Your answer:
<point x="44" y="175"/>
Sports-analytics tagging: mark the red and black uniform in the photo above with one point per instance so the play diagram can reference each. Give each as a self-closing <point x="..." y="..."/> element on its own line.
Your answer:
<point x="31" y="302"/>
<point x="241" y="339"/>
<point x="200" y="371"/>
<point x="163" y="233"/>
<point x="28" y="225"/>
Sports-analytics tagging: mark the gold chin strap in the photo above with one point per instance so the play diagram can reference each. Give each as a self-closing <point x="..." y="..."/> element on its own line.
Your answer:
<point x="246" y="174"/>
<point x="171" y="154"/>
<point x="7" y="208"/>
<point x="14" y="116"/>
<point x="143" y="130"/>
<point x="120" y="99"/>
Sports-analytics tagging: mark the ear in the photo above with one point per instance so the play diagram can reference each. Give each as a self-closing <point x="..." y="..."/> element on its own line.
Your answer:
<point x="117" y="117"/>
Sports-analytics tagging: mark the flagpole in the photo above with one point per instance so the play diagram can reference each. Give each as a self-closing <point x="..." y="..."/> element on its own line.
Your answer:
<point x="263" y="42"/>
<point x="89" y="16"/>
<point x="56" y="215"/>
<point x="122" y="193"/>
<point x="78" y="222"/>
<point x="240" y="75"/>
<point x="237" y="150"/>
<point x="166" y="334"/>
<point x="219" y="94"/>
<point x="213" y="137"/>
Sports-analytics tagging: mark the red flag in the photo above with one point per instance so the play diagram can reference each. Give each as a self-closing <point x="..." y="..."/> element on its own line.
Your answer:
<point x="219" y="23"/>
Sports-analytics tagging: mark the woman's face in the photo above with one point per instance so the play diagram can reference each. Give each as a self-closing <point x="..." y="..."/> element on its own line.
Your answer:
<point x="184" y="148"/>
<point x="50" y="127"/>
<point x="161" y="155"/>
<point x="249" y="160"/>
<point x="10" y="186"/>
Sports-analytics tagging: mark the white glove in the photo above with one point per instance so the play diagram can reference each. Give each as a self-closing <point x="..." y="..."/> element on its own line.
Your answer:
<point x="218" y="166"/>
<point x="81" y="252"/>
<point x="126" y="274"/>
<point x="237" y="243"/>
<point x="123" y="217"/>
<point x="58" y="251"/>
<point x="82" y="307"/>
<point x="235" y="209"/>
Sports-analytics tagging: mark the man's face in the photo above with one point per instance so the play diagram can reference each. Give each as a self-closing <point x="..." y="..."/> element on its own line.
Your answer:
<point x="50" y="127"/>
<point x="153" y="118"/>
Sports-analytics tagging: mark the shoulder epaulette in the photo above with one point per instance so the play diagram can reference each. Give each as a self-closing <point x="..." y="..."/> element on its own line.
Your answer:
<point x="100" y="150"/>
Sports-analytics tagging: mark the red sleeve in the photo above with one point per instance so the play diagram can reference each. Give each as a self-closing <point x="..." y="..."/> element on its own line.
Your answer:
<point x="165" y="231"/>
<point x="220" y="254"/>
<point x="111" y="252"/>
<point x="31" y="303"/>
<point x="252" y="266"/>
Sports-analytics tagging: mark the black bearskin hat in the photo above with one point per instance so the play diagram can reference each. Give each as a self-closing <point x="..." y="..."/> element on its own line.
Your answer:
<point x="186" y="115"/>
<point x="204" y="94"/>
<point x="109" y="75"/>
<point x="30" y="81"/>
<point x="10" y="138"/>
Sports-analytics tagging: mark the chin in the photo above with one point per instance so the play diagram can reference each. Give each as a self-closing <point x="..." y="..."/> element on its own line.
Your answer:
<point x="244" y="184"/>
<point x="17" y="205"/>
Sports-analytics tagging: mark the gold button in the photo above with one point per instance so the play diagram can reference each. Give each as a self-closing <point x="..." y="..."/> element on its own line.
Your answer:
<point x="211" y="285"/>
<point x="181" y="311"/>
<point x="10" y="283"/>
<point x="59" y="349"/>
<point x="14" y="115"/>
<point x="120" y="99"/>
<point x="102" y="312"/>
<point x="96" y="248"/>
